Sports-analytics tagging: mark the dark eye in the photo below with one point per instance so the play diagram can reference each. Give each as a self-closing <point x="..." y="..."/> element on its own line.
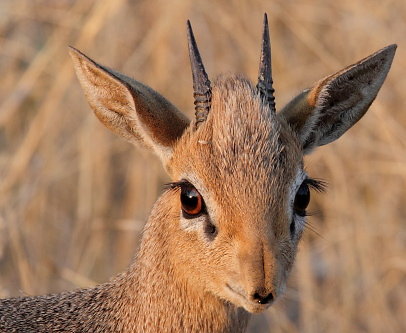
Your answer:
<point x="302" y="199"/>
<point x="192" y="201"/>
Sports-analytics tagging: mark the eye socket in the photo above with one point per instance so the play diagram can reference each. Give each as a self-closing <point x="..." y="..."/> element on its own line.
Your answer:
<point x="192" y="201"/>
<point x="302" y="199"/>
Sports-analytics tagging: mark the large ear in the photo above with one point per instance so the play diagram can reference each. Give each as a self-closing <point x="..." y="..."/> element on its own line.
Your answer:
<point x="323" y="113"/>
<point x="129" y="108"/>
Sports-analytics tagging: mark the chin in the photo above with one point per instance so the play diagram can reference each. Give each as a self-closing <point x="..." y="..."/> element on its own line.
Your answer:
<point x="256" y="308"/>
<point x="238" y="300"/>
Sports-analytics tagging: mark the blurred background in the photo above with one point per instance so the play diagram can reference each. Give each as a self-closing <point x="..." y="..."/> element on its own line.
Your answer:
<point x="74" y="198"/>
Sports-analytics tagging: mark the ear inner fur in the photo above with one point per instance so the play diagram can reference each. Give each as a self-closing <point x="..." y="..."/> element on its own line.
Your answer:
<point x="322" y="114"/>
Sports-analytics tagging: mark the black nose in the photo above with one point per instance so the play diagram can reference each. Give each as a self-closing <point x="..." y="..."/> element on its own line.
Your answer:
<point x="263" y="299"/>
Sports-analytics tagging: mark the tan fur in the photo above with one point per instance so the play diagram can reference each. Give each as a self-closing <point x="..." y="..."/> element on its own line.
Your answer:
<point x="241" y="140"/>
<point x="247" y="163"/>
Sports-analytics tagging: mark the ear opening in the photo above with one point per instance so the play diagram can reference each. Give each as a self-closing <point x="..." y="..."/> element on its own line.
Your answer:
<point x="322" y="114"/>
<point x="129" y="108"/>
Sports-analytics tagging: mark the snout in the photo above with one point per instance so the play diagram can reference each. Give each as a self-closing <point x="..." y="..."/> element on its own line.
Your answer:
<point x="255" y="302"/>
<point x="256" y="286"/>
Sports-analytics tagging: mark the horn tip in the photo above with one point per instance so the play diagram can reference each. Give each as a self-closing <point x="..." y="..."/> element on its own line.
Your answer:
<point x="266" y="23"/>
<point x="189" y="28"/>
<point x="266" y="20"/>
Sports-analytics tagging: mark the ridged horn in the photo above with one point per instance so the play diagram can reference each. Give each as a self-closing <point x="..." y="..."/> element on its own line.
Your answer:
<point x="265" y="82"/>
<point x="201" y="82"/>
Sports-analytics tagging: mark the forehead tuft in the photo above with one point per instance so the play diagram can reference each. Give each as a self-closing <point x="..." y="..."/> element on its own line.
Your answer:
<point x="241" y="142"/>
<point x="244" y="132"/>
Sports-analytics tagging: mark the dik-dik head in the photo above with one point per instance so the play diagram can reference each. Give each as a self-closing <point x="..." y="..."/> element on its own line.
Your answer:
<point x="237" y="204"/>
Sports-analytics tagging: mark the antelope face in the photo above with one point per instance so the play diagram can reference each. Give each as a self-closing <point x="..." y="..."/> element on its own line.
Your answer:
<point x="242" y="197"/>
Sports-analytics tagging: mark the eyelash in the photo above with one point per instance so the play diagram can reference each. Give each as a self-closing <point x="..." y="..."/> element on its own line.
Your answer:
<point x="318" y="185"/>
<point x="177" y="185"/>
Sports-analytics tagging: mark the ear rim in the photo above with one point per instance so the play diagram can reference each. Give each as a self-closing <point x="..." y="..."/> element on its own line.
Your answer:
<point x="147" y="118"/>
<point x="311" y="103"/>
<point x="77" y="58"/>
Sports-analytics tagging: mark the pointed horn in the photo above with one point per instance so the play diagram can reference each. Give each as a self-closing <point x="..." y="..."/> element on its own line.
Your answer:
<point x="265" y="82"/>
<point x="201" y="82"/>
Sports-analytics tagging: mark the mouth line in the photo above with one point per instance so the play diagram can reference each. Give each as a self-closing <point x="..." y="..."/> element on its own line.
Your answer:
<point x="235" y="291"/>
<point x="257" y="305"/>
<point x="245" y="298"/>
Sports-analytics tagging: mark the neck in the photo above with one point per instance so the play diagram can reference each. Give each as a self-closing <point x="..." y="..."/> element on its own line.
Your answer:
<point x="153" y="295"/>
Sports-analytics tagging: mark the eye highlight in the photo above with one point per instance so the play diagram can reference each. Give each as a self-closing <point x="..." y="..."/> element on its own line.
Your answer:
<point x="191" y="200"/>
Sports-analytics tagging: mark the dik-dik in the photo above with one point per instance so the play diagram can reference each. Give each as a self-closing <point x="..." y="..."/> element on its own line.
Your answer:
<point x="222" y="238"/>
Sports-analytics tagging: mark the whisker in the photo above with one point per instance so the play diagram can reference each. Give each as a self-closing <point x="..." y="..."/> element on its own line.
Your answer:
<point x="312" y="228"/>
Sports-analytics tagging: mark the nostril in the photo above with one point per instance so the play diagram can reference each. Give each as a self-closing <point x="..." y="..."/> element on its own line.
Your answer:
<point x="263" y="299"/>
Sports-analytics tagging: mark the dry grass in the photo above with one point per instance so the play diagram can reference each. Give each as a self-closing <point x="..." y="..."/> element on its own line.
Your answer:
<point x="74" y="198"/>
